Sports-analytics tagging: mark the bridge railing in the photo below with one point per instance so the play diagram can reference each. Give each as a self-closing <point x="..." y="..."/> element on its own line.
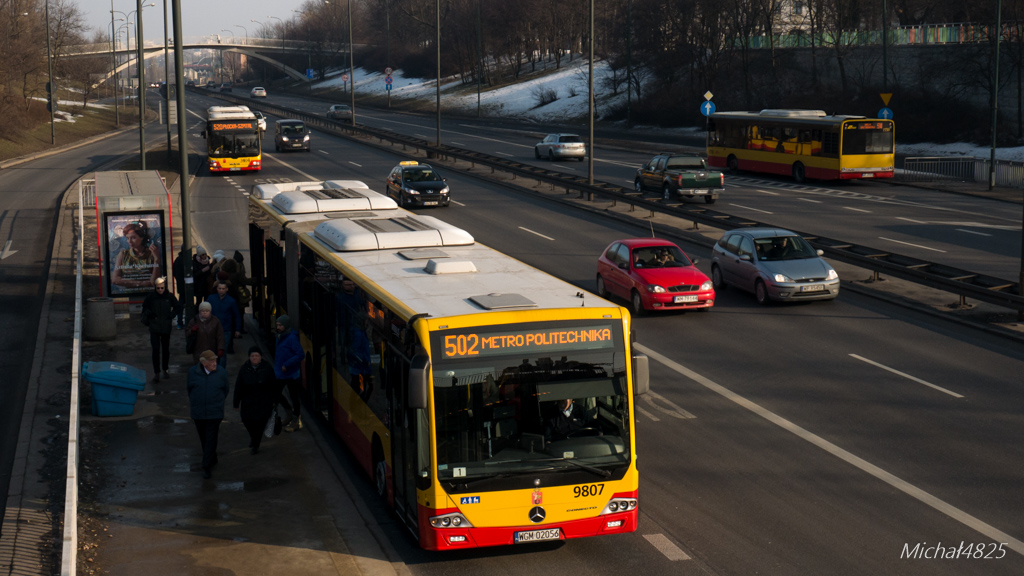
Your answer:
<point x="104" y="48"/>
<point x="960" y="169"/>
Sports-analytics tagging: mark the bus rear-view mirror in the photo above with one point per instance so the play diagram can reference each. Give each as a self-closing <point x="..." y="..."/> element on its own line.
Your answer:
<point x="641" y="374"/>
<point x="419" y="379"/>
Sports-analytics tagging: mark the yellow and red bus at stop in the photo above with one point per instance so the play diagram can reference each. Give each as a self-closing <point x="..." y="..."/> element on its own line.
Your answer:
<point x="441" y="362"/>
<point x="232" y="139"/>
<point x="804" y="144"/>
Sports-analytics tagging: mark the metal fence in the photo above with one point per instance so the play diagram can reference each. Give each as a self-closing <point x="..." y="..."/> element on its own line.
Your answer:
<point x="928" y="34"/>
<point x="969" y="169"/>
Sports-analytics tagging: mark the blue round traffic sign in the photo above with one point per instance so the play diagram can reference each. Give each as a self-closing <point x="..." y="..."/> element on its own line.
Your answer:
<point x="885" y="113"/>
<point x="707" y="108"/>
<point x="387" y="79"/>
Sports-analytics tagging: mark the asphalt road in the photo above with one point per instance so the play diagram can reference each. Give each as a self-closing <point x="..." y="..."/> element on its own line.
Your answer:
<point x="808" y="439"/>
<point x="820" y="438"/>
<point x="975" y="234"/>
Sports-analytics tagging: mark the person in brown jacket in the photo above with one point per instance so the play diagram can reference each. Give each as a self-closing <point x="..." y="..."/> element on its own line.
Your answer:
<point x="208" y="330"/>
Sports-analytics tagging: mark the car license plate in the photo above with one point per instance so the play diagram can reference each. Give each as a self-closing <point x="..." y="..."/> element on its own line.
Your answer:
<point x="678" y="299"/>
<point x="430" y="203"/>
<point x="812" y="288"/>
<point x="538" y="535"/>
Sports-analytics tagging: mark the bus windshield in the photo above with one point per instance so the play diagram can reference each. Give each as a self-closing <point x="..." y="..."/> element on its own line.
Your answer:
<point x="228" y="144"/>
<point x="864" y="137"/>
<point x="498" y="392"/>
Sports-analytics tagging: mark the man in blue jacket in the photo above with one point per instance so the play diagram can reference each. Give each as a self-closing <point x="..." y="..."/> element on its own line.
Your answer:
<point x="225" y="309"/>
<point x="288" y="358"/>
<point x="207" y="391"/>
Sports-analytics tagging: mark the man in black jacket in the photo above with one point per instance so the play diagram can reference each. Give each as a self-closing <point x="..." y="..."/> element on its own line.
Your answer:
<point x="158" y="311"/>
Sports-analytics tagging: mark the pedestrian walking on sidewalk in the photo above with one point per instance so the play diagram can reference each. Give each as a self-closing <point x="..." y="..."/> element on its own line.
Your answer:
<point x="255" y="392"/>
<point x="202" y="269"/>
<point x="208" y="330"/>
<point x="207" y="391"/>
<point x="178" y="271"/>
<point x="225" y="308"/>
<point x="158" y="312"/>
<point x="288" y="357"/>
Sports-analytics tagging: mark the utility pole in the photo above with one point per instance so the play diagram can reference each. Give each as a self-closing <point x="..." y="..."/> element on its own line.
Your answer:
<point x="351" y="66"/>
<point x="437" y="45"/>
<point x="479" y="56"/>
<point x="186" y="217"/>
<point x="167" y="85"/>
<point x="113" y="56"/>
<point x="142" y="86"/>
<point x="590" y="99"/>
<point x="50" y="88"/>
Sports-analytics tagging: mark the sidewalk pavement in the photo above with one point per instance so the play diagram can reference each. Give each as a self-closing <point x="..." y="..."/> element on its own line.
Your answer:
<point x="144" y="507"/>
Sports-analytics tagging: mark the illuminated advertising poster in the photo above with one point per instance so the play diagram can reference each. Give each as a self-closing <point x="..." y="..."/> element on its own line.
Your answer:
<point x="135" y="251"/>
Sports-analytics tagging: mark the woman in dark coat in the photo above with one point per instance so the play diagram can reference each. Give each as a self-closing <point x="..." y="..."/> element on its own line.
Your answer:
<point x="255" y="392"/>
<point x="208" y="330"/>
<point x="158" y="312"/>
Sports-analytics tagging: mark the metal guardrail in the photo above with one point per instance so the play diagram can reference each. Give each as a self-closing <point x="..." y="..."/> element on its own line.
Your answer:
<point x="961" y="169"/>
<point x="936" y="34"/>
<point x="964" y="283"/>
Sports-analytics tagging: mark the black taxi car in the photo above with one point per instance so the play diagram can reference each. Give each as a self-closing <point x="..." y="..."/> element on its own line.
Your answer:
<point x="414" y="184"/>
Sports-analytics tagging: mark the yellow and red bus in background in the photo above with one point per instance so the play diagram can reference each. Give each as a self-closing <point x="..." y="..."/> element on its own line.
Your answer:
<point x="803" y="144"/>
<point x="232" y="139"/>
<point x="438" y="362"/>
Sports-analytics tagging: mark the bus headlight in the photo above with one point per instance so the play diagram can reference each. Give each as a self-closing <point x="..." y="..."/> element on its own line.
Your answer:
<point x="451" y="520"/>
<point x="620" y="505"/>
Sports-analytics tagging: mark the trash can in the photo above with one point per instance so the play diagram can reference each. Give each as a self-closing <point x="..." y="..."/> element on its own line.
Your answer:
<point x="99" y="319"/>
<point x="115" y="387"/>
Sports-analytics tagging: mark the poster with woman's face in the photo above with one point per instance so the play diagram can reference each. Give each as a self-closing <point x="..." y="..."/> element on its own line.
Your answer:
<point x="135" y="251"/>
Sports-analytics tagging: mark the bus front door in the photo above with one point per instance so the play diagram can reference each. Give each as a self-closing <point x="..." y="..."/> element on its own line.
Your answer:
<point x="403" y="439"/>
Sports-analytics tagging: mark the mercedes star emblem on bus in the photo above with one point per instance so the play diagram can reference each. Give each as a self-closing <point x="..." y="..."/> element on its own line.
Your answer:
<point x="537" y="514"/>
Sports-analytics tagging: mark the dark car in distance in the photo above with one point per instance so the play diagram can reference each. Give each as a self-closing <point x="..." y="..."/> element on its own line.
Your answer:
<point x="291" y="135"/>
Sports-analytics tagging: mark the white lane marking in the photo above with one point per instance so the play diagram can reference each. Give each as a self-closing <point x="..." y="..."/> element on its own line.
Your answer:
<point x="856" y="209"/>
<point x="910" y="220"/>
<point x="907" y="376"/>
<point x="648" y="414"/>
<point x="972" y="232"/>
<point x="909" y="244"/>
<point x="504" y="154"/>
<point x="355" y="164"/>
<point x="666" y="547"/>
<point x="766" y="192"/>
<point x="421" y="136"/>
<point x="7" y="250"/>
<point x="282" y="162"/>
<point x="671" y="410"/>
<point x="324" y="152"/>
<point x="953" y="512"/>
<point x="454" y="143"/>
<point x="810" y="200"/>
<point x="749" y="208"/>
<point x="537" y="233"/>
<point x="456" y="203"/>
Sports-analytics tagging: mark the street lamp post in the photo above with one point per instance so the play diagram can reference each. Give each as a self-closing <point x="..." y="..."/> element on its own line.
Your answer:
<point x="351" y="67"/>
<point x="590" y="89"/>
<point x="113" y="57"/>
<point x="167" y="86"/>
<point x="142" y="82"/>
<point x="437" y="45"/>
<point x="49" y="78"/>
<point x="246" y="30"/>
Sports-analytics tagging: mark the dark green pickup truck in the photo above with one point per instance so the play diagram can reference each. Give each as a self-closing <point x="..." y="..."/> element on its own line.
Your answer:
<point x="685" y="175"/>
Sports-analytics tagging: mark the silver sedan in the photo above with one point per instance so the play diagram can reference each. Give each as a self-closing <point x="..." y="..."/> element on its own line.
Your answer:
<point x="774" y="264"/>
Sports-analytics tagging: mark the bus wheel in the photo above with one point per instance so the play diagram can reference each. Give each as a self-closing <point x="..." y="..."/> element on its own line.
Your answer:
<point x="732" y="163"/>
<point x="798" y="173"/>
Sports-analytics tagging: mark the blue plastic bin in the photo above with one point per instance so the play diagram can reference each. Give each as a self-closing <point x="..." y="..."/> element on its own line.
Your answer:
<point x="115" y="387"/>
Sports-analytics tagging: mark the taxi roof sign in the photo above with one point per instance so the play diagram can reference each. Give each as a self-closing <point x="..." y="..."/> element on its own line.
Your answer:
<point x="408" y="163"/>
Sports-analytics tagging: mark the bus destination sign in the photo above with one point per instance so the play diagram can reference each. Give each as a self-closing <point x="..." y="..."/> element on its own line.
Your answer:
<point x="223" y="126"/>
<point x="883" y="125"/>
<point x="478" y="343"/>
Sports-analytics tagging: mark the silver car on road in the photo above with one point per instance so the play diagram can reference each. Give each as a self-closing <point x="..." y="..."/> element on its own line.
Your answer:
<point x="774" y="264"/>
<point x="557" y="146"/>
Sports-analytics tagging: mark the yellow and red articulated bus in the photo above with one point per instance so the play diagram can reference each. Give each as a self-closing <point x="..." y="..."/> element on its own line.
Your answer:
<point x="443" y="365"/>
<point x="233" y="139"/>
<point x="804" y="144"/>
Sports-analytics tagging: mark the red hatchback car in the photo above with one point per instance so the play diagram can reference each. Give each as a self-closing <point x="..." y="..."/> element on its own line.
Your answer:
<point x="653" y="275"/>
